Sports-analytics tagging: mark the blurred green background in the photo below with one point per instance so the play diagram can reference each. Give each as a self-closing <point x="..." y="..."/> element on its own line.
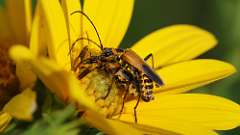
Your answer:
<point x="221" y="17"/>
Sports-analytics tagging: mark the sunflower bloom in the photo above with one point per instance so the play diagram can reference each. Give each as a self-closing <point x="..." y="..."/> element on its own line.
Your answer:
<point x="17" y="100"/>
<point x="174" y="48"/>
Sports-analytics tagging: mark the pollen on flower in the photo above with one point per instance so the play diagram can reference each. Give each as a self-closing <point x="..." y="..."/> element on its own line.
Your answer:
<point x="9" y="83"/>
<point x="108" y="98"/>
<point x="99" y="85"/>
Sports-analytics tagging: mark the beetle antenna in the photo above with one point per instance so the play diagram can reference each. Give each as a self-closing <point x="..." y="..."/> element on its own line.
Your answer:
<point x="88" y="18"/>
<point x="84" y="38"/>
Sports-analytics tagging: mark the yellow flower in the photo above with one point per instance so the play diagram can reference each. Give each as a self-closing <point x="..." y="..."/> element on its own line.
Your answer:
<point x="17" y="100"/>
<point x="174" y="49"/>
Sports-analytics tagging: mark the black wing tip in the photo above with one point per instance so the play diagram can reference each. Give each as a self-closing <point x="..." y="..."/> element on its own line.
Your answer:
<point x="160" y="82"/>
<point x="152" y="75"/>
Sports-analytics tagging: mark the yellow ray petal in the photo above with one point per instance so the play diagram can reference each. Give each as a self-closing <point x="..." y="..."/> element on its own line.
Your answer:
<point x="208" y="111"/>
<point x="112" y="127"/>
<point x="38" y="40"/>
<point x="20" y="15"/>
<point x="61" y="82"/>
<point x="64" y="84"/>
<point x="175" y="43"/>
<point x="73" y="24"/>
<point x="5" y="32"/>
<point x="152" y="130"/>
<point x="22" y="105"/>
<point x="23" y="55"/>
<point x="187" y="75"/>
<point x="56" y="32"/>
<point x="25" y="75"/>
<point x="23" y="70"/>
<point x="5" y="119"/>
<point x="117" y="127"/>
<point x="111" y="18"/>
<point x="73" y="21"/>
<point x="20" y="53"/>
<point x="171" y="128"/>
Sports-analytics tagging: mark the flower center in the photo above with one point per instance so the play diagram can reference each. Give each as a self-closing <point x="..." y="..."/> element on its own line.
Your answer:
<point x="102" y="89"/>
<point x="9" y="83"/>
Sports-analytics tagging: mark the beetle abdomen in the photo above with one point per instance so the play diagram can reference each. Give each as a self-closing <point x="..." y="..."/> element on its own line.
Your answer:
<point x="147" y="89"/>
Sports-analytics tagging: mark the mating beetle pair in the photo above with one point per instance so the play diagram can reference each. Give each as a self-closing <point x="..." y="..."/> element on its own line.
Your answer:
<point x="127" y="68"/>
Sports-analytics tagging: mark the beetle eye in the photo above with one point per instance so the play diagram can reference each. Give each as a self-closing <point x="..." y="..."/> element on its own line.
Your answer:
<point x="119" y="50"/>
<point x="118" y="58"/>
<point x="107" y="53"/>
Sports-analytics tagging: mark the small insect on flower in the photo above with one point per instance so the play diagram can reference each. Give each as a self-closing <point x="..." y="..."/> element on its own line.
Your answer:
<point x="128" y="70"/>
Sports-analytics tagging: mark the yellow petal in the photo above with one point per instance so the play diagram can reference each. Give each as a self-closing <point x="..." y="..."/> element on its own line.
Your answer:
<point x="38" y="40"/>
<point x="22" y="105"/>
<point x="112" y="127"/>
<point x="23" y="70"/>
<point x="147" y="130"/>
<point x="56" y="32"/>
<point x="25" y="75"/>
<point x="118" y="127"/>
<point x="187" y="75"/>
<point x="20" y="15"/>
<point x="170" y="128"/>
<point x="73" y="25"/>
<point x="5" y="32"/>
<point x="175" y="43"/>
<point x="20" y="53"/>
<point x="23" y="55"/>
<point x="5" y="119"/>
<point x="64" y="84"/>
<point x="201" y="110"/>
<point x="111" y="18"/>
<point x="73" y="21"/>
<point x="166" y="127"/>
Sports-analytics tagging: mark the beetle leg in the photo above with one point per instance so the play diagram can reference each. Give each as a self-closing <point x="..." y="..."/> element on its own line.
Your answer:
<point x="108" y="92"/>
<point x="82" y="55"/>
<point x="109" y="89"/>
<point x="135" y="108"/>
<point x="80" y="58"/>
<point x="85" y="72"/>
<point x="123" y="102"/>
<point x="148" y="56"/>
